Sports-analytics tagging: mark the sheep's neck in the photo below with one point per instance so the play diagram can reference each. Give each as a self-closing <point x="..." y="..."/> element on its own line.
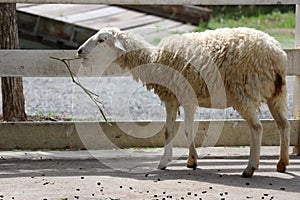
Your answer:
<point x="135" y="58"/>
<point x="138" y="51"/>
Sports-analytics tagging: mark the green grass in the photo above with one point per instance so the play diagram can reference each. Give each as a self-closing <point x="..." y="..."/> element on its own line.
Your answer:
<point x="45" y="114"/>
<point x="287" y="40"/>
<point x="278" y="21"/>
<point x="274" y="20"/>
<point x="278" y="24"/>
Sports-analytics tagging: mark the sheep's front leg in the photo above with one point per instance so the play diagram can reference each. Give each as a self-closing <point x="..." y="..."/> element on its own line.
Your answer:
<point x="255" y="141"/>
<point x="189" y="131"/>
<point x="171" y="111"/>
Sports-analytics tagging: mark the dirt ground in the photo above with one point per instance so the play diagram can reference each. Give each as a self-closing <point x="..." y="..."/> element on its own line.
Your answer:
<point x="131" y="174"/>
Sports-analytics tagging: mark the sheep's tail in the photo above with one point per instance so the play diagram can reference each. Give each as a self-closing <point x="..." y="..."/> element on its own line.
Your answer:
<point x="280" y="65"/>
<point x="279" y="98"/>
<point x="279" y="84"/>
<point x="279" y="101"/>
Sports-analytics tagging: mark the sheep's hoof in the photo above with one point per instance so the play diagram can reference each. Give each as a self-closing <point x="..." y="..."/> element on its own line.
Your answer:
<point x="192" y="163"/>
<point x="161" y="167"/>
<point x="248" y="173"/>
<point x="281" y="166"/>
<point x="192" y="166"/>
<point x="163" y="164"/>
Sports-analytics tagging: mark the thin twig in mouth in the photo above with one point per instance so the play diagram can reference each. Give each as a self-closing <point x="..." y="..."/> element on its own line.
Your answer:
<point x="93" y="96"/>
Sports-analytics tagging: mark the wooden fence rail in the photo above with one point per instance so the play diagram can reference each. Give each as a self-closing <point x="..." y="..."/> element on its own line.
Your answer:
<point x="37" y="63"/>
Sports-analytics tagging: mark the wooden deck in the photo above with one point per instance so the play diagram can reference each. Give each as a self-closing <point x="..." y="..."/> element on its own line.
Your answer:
<point x="73" y="24"/>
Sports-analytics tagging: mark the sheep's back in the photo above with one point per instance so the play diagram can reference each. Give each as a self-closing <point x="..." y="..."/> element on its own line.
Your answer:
<point x="188" y="63"/>
<point x="238" y="46"/>
<point x="247" y="60"/>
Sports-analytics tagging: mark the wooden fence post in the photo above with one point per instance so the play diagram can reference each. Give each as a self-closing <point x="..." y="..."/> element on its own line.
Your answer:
<point x="296" y="100"/>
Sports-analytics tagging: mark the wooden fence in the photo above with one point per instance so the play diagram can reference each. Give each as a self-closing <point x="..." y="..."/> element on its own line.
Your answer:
<point x="37" y="63"/>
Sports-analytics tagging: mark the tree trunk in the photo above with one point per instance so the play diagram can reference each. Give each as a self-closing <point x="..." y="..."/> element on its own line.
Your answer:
<point x="13" y="102"/>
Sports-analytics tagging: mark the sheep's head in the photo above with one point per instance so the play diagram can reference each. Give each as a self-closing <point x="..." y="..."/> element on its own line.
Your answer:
<point x="105" y="39"/>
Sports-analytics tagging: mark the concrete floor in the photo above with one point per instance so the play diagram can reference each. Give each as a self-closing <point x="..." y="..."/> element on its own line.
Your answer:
<point x="131" y="174"/>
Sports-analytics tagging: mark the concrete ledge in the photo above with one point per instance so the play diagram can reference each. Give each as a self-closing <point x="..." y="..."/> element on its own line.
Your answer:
<point x="99" y="135"/>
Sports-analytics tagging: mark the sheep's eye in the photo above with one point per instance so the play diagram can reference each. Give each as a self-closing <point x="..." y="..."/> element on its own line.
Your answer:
<point x="101" y="40"/>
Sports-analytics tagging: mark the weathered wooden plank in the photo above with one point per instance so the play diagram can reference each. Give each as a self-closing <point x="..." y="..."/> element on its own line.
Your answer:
<point x="27" y="22"/>
<point x="58" y="29"/>
<point x="112" y="21"/>
<point x="30" y="63"/>
<point x="58" y="10"/>
<point x="94" y="135"/>
<point x="81" y="34"/>
<point x="159" y="2"/>
<point x="296" y="110"/>
<point x="293" y="61"/>
<point x="183" y="13"/>
<point x="37" y="63"/>
<point x="24" y="5"/>
<point x="136" y="22"/>
<point x="154" y="38"/>
<point x="93" y="14"/>
<point x="296" y="102"/>
<point x="156" y="27"/>
<point x="53" y="30"/>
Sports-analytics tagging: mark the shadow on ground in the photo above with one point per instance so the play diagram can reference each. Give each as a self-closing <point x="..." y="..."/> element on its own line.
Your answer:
<point x="135" y="177"/>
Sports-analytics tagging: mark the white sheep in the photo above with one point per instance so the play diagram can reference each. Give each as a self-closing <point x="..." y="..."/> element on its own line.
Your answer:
<point x="238" y="67"/>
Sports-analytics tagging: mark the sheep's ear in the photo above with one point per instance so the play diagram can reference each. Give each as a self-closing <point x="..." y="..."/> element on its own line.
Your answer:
<point x="119" y="45"/>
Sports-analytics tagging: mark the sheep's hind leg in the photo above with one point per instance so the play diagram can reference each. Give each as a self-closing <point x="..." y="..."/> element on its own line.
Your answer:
<point x="189" y="131"/>
<point x="278" y="111"/>
<point x="171" y="111"/>
<point x="255" y="141"/>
